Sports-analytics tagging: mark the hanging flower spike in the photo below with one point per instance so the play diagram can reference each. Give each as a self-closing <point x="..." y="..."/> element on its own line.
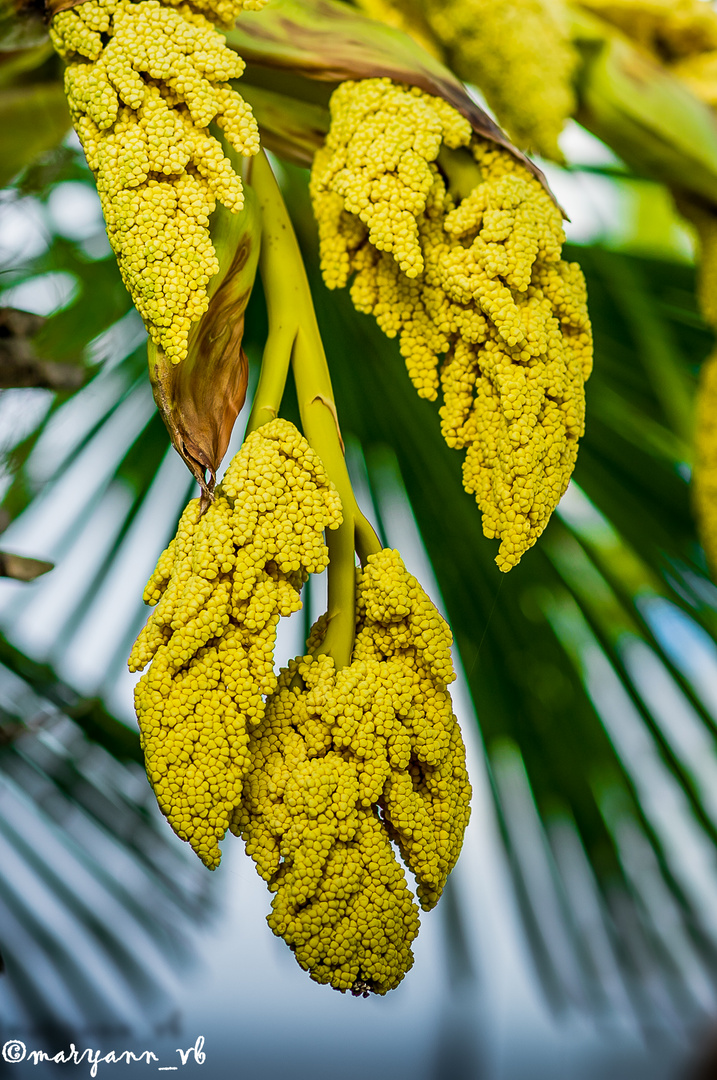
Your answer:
<point x="143" y="82"/>
<point x="358" y="746"/>
<point x="220" y="588"/>
<point x="455" y="248"/>
<point x="345" y="761"/>
<point x="341" y="903"/>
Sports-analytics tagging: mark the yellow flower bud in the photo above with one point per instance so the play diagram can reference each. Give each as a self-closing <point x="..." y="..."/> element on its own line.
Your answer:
<point x="342" y="763"/>
<point x="220" y="589"/>
<point x="143" y="82"/>
<point x="474" y="288"/>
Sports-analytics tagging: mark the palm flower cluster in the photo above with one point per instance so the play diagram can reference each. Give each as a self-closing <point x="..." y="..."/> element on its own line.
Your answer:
<point x="675" y="31"/>
<point x="222" y="585"/>
<point x="336" y="764"/>
<point x="681" y="35"/>
<point x="484" y="39"/>
<point x="519" y="52"/>
<point x="343" y="770"/>
<point x="472" y="283"/>
<point x="355" y="754"/>
<point x="348" y="766"/>
<point x="343" y="762"/>
<point x="144" y="81"/>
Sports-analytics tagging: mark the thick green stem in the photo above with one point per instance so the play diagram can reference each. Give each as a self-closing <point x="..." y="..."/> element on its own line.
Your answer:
<point x="282" y="322"/>
<point x="294" y="333"/>
<point x="318" y="418"/>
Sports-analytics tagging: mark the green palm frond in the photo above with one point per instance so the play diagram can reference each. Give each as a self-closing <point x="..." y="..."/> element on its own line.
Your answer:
<point x="96" y="905"/>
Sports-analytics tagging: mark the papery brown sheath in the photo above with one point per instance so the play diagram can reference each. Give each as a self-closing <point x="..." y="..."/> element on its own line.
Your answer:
<point x="200" y="397"/>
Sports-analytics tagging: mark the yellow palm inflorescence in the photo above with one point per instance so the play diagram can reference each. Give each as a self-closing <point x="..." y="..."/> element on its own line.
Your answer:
<point x="342" y="763"/>
<point x="680" y="34"/>
<point x="474" y="287"/>
<point x="704" y="489"/>
<point x="220" y="589"/>
<point x="520" y="54"/>
<point x="670" y="29"/>
<point x="144" y="80"/>
<point x="704" y="477"/>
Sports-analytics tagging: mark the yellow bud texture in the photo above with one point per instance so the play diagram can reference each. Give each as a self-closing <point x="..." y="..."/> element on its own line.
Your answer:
<point x="474" y="288"/>
<point x="670" y="29"/>
<point x="704" y="477"/>
<point x="220" y="588"/>
<point x="342" y="763"/>
<point x="144" y="81"/>
<point x="704" y="488"/>
<point x="520" y="54"/>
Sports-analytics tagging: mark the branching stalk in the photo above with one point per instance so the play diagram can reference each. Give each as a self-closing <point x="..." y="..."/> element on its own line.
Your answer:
<point x="281" y="299"/>
<point x="294" y="337"/>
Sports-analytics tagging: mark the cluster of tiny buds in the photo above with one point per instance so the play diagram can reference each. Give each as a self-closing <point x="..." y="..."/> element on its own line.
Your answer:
<point x="474" y="288"/>
<point x="344" y="764"/>
<point x="219" y="589"/>
<point x="144" y="80"/>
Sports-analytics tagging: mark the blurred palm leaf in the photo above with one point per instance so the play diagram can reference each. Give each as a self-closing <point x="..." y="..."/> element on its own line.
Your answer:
<point x="33" y="119"/>
<point x="97" y="905"/>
